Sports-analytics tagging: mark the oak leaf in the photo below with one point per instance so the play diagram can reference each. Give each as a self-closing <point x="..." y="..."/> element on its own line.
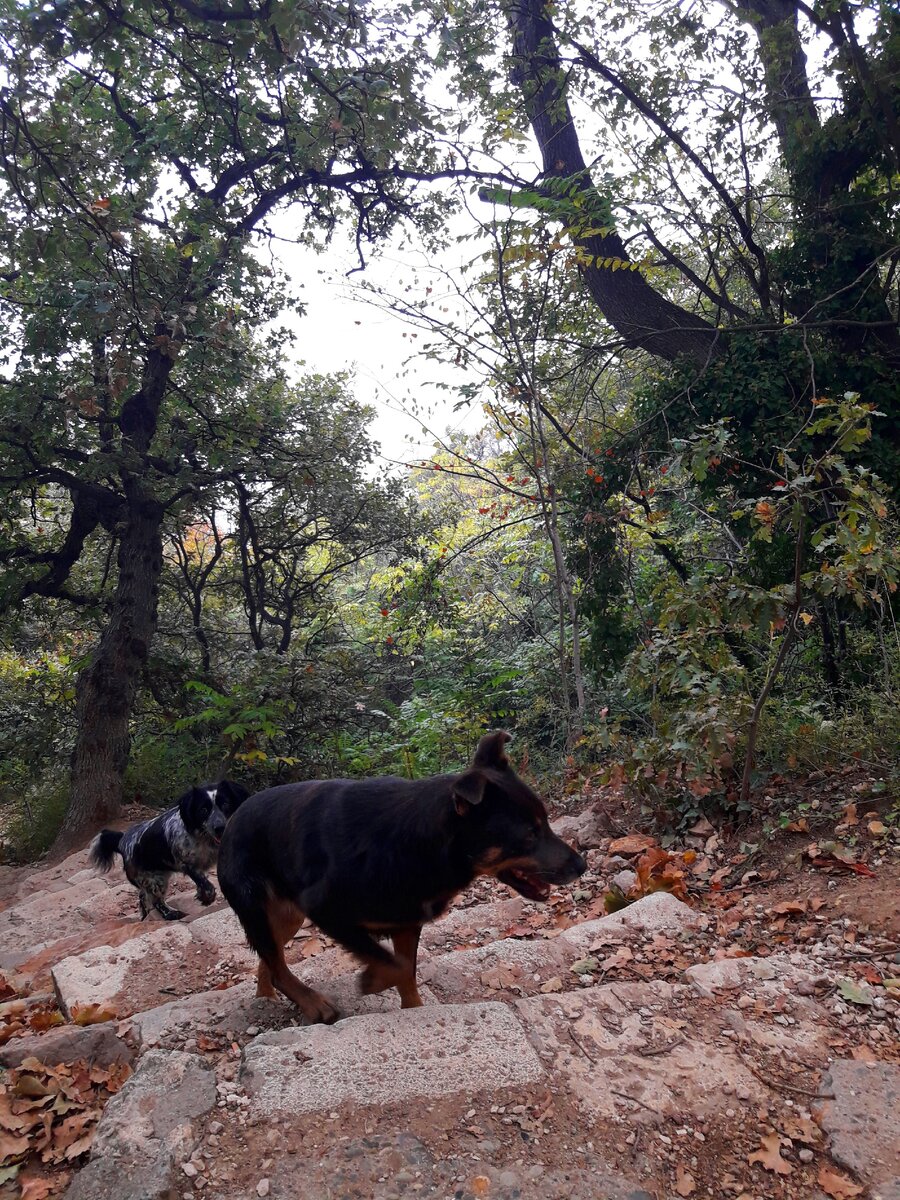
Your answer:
<point x="839" y="1187"/>
<point x="769" y="1156"/>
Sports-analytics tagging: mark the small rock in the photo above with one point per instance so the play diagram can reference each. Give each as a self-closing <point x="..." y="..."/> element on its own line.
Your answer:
<point x="189" y="1169"/>
<point x="262" y="1188"/>
<point x="805" y="1156"/>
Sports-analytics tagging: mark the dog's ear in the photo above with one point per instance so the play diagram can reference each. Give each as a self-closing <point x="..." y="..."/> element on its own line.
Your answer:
<point x="468" y="791"/>
<point x="230" y="796"/>
<point x="491" y="750"/>
<point x="194" y="807"/>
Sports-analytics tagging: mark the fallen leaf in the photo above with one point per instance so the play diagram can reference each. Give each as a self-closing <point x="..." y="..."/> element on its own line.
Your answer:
<point x="585" y="966"/>
<point x="499" y="978"/>
<point x="789" y="906"/>
<point x="634" y="843"/>
<point x="41" y="1020"/>
<point x="863" y="1054"/>
<point x="769" y="1156"/>
<point x="684" y="1181"/>
<point x="850" y="817"/>
<point x="802" y="1129"/>
<point x="11" y="1147"/>
<point x="36" y="1188"/>
<point x="877" y="828"/>
<point x="839" y="1187"/>
<point x="92" y="1014"/>
<point x="552" y="985"/>
<point x="856" y="993"/>
<point x="481" y="1185"/>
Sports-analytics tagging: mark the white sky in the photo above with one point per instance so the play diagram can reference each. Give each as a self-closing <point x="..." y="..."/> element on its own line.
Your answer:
<point x="341" y="331"/>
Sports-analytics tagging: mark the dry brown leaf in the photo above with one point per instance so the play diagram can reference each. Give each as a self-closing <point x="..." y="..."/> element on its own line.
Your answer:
<point x="552" y="985"/>
<point x="877" y="828"/>
<point x="36" y="1188"/>
<point x="40" y="1020"/>
<point x="92" y="1014"/>
<point x="11" y="1147"/>
<point x="863" y="1054"/>
<point x="684" y="1181"/>
<point x="481" y="1185"/>
<point x="634" y="843"/>
<point x="499" y="978"/>
<point x="9" y="1030"/>
<point x="769" y="1155"/>
<point x="802" y="1129"/>
<point x="838" y="1186"/>
<point x="850" y="817"/>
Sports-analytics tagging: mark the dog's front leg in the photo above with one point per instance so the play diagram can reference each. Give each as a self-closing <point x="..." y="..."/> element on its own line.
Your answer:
<point x="206" y="893"/>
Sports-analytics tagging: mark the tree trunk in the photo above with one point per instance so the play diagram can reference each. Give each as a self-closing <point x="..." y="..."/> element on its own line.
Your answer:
<point x="107" y="686"/>
<point x="639" y="314"/>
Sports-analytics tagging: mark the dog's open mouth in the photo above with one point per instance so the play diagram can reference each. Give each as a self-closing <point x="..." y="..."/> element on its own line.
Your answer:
<point x="526" y="883"/>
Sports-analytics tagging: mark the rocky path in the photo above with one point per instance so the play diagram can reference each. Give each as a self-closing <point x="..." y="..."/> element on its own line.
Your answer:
<point x="639" y="1056"/>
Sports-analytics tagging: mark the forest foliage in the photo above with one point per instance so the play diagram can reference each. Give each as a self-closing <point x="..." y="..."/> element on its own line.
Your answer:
<point x="668" y="557"/>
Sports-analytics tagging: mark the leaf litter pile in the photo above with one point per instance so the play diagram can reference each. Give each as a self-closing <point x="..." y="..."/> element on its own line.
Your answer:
<point x="48" y="1116"/>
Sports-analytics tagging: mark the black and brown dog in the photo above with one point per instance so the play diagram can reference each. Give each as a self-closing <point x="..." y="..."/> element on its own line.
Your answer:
<point x="363" y="858"/>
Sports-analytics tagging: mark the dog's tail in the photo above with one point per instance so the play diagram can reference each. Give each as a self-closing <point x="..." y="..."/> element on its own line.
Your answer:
<point x="103" y="847"/>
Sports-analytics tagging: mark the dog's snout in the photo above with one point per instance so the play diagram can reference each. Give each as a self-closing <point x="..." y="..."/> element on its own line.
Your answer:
<point x="578" y="864"/>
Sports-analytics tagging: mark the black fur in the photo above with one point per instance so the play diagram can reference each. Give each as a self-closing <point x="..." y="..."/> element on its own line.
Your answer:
<point x="382" y="856"/>
<point x="184" y="838"/>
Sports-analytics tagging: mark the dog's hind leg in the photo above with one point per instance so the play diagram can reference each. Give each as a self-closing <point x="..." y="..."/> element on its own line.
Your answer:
<point x="285" y="919"/>
<point x="153" y="886"/>
<point x="406" y="948"/>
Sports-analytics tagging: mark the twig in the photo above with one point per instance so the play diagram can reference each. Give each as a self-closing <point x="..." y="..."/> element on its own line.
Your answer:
<point x="651" y="1050"/>
<point x="779" y="1084"/>
<point x="634" y="1100"/>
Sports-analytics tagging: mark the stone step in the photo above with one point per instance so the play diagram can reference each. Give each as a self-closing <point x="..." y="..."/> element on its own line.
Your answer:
<point x="389" y="1057"/>
<point x="605" y="1059"/>
<point x="129" y="978"/>
<point x="81" y="915"/>
<point x="181" y="957"/>
<point x="504" y="969"/>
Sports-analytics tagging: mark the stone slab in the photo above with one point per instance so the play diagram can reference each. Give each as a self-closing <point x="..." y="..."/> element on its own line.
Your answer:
<point x="416" y="1053"/>
<point x="747" y="974"/>
<point x="508" y="966"/>
<point x="96" y="1044"/>
<point x="236" y="1009"/>
<point x="632" y="1042"/>
<point x="659" y="912"/>
<point x="397" y="1165"/>
<point x="863" y="1121"/>
<point x="98" y="976"/>
<point x="147" y="1130"/>
<point x="27" y="928"/>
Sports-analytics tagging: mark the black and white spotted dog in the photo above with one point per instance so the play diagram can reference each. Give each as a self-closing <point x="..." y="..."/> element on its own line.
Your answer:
<point x="184" y="838"/>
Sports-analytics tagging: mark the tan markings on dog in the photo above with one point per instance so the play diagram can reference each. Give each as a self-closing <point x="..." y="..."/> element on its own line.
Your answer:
<point x="285" y="918"/>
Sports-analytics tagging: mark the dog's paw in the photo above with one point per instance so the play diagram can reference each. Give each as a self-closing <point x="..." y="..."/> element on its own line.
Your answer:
<point x="172" y="914"/>
<point x="206" y="895"/>
<point x="325" y="1013"/>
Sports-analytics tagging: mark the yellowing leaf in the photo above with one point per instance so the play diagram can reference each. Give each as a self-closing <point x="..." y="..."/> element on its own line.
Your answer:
<point x="92" y="1014"/>
<point x="806" y="618"/>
